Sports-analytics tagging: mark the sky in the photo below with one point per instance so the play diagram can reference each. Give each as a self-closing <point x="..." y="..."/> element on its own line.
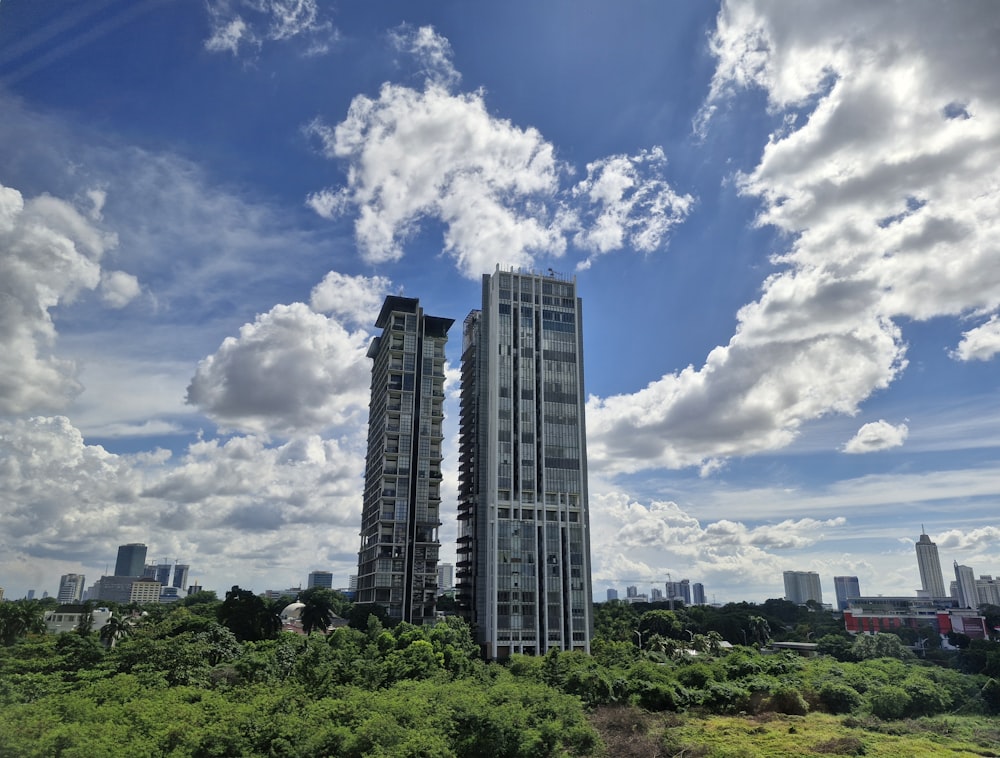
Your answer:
<point x="783" y="220"/>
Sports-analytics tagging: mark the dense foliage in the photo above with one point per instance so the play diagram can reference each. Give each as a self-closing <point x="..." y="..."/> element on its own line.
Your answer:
<point x="215" y="678"/>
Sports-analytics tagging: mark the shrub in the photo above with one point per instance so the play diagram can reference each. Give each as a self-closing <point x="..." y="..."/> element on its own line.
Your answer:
<point x="659" y="697"/>
<point x="889" y="702"/>
<point x="788" y="699"/>
<point x="726" y="698"/>
<point x="839" y="698"/>
<point x="694" y="675"/>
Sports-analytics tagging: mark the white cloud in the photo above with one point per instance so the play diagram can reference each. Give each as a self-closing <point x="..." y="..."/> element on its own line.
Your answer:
<point x="431" y="50"/>
<point x="250" y="23"/>
<point x="981" y="343"/>
<point x="118" y="289"/>
<point x="239" y="511"/>
<point x="975" y="539"/>
<point x="49" y="254"/>
<point x="356" y="299"/>
<point x="634" y="543"/>
<point x="291" y="371"/>
<point x="433" y="154"/>
<point x="889" y="195"/>
<point x="496" y="188"/>
<point x="227" y="35"/>
<point x="631" y="204"/>
<point x="878" y="435"/>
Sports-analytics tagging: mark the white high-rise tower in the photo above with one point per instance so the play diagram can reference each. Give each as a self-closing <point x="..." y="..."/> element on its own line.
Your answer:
<point x="931" y="578"/>
<point x="523" y="570"/>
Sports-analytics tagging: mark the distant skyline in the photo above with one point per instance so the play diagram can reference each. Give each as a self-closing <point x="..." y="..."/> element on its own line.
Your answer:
<point x="782" y="219"/>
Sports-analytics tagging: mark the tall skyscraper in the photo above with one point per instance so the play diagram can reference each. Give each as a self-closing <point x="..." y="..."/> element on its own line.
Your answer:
<point x="698" y="593"/>
<point x="397" y="562"/>
<point x="846" y="587"/>
<point x="931" y="578"/>
<point x="523" y="569"/>
<point x="679" y="591"/>
<point x="322" y="579"/>
<point x="71" y="588"/>
<point x="446" y="578"/>
<point x="803" y="586"/>
<point x="131" y="559"/>
<point x="966" y="581"/>
<point x="158" y="571"/>
<point x="612" y="593"/>
<point x="180" y="576"/>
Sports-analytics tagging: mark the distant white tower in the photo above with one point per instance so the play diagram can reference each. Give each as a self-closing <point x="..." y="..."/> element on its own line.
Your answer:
<point x="966" y="581"/>
<point x="71" y="588"/>
<point x="803" y="586"/>
<point x="931" y="578"/>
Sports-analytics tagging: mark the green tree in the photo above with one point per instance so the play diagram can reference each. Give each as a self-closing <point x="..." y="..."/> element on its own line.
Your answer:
<point x="664" y="623"/>
<point x="879" y="645"/>
<point x="317" y="610"/>
<point x="115" y="629"/>
<point x="249" y="616"/>
<point x="19" y="619"/>
<point x="615" y="621"/>
<point x="760" y="630"/>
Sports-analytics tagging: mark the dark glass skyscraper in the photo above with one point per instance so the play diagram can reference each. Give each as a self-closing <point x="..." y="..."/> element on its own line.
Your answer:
<point x="131" y="559"/>
<point x="523" y="570"/>
<point x="398" y="559"/>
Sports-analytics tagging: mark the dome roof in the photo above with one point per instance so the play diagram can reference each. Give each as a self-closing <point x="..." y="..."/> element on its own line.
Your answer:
<point x="292" y="611"/>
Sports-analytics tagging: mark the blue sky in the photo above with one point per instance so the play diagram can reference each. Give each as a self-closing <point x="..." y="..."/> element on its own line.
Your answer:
<point x="783" y="226"/>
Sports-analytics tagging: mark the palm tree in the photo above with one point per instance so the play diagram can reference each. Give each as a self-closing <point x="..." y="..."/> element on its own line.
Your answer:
<point x="317" y="611"/>
<point x="116" y="628"/>
<point x="760" y="629"/>
<point x="20" y="618"/>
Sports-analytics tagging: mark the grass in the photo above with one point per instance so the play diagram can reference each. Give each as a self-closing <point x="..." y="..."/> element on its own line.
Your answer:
<point x="633" y="733"/>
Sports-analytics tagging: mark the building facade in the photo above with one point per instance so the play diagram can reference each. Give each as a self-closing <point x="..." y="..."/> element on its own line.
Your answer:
<point x="803" y="586"/>
<point x="71" y="587"/>
<point x="988" y="590"/>
<point x="929" y="564"/>
<point x="131" y="559"/>
<point x="698" y="593"/>
<point x="679" y="591"/>
<point x="870" y="615"/>
<point x="965" y="581"/>
<point x="158" y="571"/>
<point x="446" y="578"/>
<point x="181" y="576"/>
<point x="846" y="587"/>
<point x="322" y="579"/>
<point x="398" y="559"/>
<point x="523" y="569"/>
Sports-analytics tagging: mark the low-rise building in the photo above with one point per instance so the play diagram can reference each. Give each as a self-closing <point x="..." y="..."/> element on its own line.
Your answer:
<point x="868" y="615"/>
<point x="66" y="618"/>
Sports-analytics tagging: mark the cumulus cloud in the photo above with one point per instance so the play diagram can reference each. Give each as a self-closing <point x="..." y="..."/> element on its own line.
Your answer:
<point x="250" y="23"/>
<point x="431" y="50"/>
<point x="432" y="154"/>
<point x="878" y="435"/>
<point x="642" y="542"/>
<point x="118" y="289"/>
<point x="63" y="499"/>
<point x="630" y="203"/>
<point x="355" y="299"/>
<point x="979" y="344"/>
<point x="983" y="538"/>
<point x="291" y="371"/>
<point x="498" y="189"/>
<point x="888" y="192"/>
<point x="49" y="254"/>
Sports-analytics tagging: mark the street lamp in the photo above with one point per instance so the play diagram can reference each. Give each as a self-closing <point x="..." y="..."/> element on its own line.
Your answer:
<point x="639" y="635"/>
